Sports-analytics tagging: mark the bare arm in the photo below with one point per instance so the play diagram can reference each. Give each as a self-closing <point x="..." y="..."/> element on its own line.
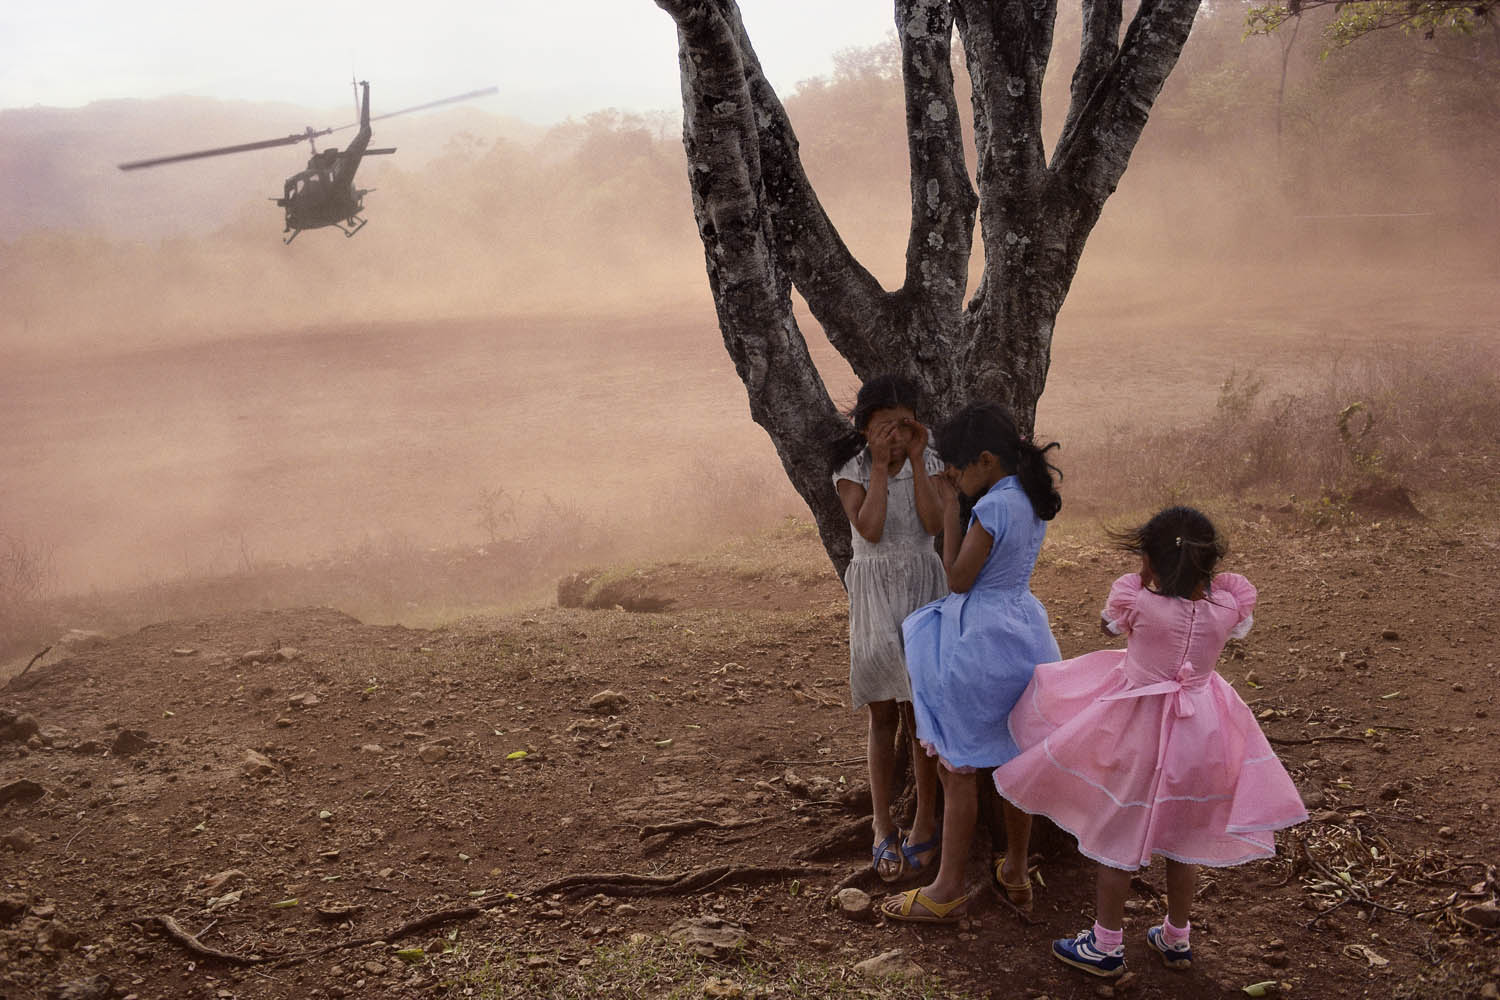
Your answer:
<point x="866" y="508"/>
<point x="962" y="560"/>
<point x="927" y="492"/>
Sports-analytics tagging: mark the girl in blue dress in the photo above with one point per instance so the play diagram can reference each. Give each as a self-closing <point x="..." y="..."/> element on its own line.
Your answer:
<point x="971" y="654"/>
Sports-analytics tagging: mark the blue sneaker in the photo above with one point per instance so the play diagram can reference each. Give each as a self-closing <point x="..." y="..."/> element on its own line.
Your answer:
<point x="1176" y="956"/>
<point x="1083" y="953"/>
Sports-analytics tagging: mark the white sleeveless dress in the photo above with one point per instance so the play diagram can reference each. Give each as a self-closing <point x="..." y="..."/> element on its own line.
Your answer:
<point x="887" y="580"/>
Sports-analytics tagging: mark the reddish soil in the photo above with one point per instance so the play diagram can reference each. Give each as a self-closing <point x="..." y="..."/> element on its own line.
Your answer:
<point x="1373" y="664"/>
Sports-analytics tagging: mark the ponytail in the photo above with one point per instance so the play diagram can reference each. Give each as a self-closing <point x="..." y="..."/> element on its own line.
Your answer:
<point x="1035" y="474"/>
<point x="981" y="427"/>
<point x="1181" y="544"/>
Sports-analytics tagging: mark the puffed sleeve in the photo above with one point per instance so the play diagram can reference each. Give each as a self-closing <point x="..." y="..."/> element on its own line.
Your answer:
<point x="931" y="461"/>
<point x="992" y="514"/>
<point x="1242" y="592"/>
<point x="856" y="470"/>
<point x="1119" y="607"/>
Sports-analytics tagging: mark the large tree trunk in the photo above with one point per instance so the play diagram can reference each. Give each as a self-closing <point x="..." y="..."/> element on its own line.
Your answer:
<point x="764" y="231"/>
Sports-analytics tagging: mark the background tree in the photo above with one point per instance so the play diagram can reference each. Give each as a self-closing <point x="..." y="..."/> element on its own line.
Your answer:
<point x="764" y="231"/>
<point x="1353" y="21"/>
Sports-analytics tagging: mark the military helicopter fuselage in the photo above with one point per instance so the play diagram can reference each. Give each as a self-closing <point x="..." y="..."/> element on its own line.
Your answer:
<point x="324" y="194"/>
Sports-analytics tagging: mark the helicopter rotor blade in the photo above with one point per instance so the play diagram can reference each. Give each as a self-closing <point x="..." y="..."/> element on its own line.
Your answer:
<point x="471" y="95"/>
<point x="226" y="150"/>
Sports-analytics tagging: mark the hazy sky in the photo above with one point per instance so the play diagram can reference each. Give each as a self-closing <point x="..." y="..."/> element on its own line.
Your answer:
<point x="549" y="60"/>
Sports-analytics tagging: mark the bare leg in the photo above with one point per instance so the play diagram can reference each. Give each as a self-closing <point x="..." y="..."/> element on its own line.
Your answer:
<point x="925" y="770"/>
<point x="881" y="754"/>
<point x="1017" y="843"/>
<point x="1112" y="888"/>
<point x="960" y="809"/>
<point x="1182" y="883"/>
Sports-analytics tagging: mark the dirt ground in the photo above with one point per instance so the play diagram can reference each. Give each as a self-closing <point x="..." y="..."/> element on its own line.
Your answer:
<point x="391" y="785"/>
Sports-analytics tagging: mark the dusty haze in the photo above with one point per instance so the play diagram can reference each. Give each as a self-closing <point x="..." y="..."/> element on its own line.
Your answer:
<point x="521" y="346"/>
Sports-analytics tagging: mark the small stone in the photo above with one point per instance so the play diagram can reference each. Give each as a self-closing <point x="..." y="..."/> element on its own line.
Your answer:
<point x="22" y="790"/>
<point x="256" y="656"/>
<point x="19" y="840"/>
<point x="891" y="964"/>
<point x="55" y="935"/>
<point x="374" y="748"/>
<point x="1445" y="832"/>
<point x="608" y="702"/>
<point x="12" y="908"/>
<point x="1313" y="798"/>
<point x="16" y="728"/>
<point x="854" y="904"/>
<point x="306" y="700"/>
<point x="288" y="653"/>
<point x="284" y="723"/>
<point x="708" y="936"/>
<point x="626" y="910"/>
<point x="229" y="879"/>
<point x="256" y="765"/>
<point x="1390" y="791"/>
<point x="118" y="782"/>
<point x="431" y="753"/>
<point x="1390" y="635"/>
<point x="184" y="651"/>
<point x="373" y="968"/>
<point x="1276" y="959"/>
<point x="95" y="988"/>
<point x="128" y="742"/>
<point x="1486" y="914"/>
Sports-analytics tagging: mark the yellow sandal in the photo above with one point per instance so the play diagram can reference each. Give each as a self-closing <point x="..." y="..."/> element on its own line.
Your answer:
<point x="901" y="907"/>
<point x="1018" y="894"/>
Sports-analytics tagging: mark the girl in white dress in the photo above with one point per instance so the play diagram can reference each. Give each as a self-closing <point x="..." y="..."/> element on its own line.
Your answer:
<point x="890" y="484"/>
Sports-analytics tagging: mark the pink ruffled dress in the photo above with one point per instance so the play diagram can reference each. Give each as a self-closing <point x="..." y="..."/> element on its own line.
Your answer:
<point x="1147" y="750"/>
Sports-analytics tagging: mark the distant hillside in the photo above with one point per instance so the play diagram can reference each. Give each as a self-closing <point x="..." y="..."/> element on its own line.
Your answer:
<point x="58" y="165"/>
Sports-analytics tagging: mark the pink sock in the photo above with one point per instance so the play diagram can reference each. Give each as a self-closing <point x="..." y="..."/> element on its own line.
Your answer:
<point x="1106" y="939"/>
<point x="1175" y="935"/>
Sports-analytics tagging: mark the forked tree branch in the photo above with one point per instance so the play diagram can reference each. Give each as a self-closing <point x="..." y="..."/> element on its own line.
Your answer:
<point x="1098" y="48"/>
<point x="943" y="201"/>
<point x="847" y="300"/>
<point x="1093" y="153"/>
<point x="751" y="288"/>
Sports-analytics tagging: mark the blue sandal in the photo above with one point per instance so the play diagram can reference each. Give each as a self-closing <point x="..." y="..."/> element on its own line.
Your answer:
<point x="885" y="851"/>
<point x="910" y="853"/>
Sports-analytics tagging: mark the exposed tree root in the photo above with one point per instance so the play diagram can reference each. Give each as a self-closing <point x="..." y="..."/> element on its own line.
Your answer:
<point x="842" y="839"/>
<point x="671" y="831"/>
<point x="624" y="884"/>
<point x="174" y="931"/>
<point x="573" y="886"/>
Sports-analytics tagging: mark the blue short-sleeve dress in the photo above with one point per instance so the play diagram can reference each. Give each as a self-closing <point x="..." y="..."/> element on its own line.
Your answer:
<point x="971" y="655"/>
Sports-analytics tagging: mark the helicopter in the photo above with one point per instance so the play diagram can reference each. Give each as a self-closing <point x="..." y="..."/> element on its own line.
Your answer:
<point x="324" y="194"/>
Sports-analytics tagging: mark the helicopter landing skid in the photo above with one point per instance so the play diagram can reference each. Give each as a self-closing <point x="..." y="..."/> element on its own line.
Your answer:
<point x="350" y="232"/>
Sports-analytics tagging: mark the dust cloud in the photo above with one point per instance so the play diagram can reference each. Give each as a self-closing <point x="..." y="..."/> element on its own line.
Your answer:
<point x="517" y="361"/>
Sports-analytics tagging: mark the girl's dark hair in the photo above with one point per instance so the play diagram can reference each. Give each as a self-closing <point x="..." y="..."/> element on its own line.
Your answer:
<point x="884" y="392"/>
<point x="1181" y="544"/>
<point x="981" y="427"/>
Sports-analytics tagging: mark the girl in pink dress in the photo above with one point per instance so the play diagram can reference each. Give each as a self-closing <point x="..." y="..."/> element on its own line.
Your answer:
<point x="1147" y="750"/>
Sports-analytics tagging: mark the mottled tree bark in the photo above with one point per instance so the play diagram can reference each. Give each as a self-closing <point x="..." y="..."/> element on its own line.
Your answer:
<point x="764" y="231"/>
